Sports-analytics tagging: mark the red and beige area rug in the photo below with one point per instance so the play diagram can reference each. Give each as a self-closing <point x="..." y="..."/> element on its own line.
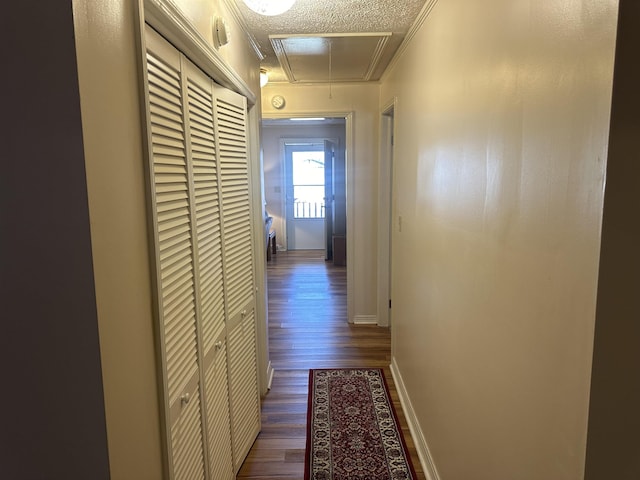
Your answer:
<point x="352" y="428"/>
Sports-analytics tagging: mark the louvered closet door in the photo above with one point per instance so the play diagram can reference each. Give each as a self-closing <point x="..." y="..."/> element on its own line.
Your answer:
<point x="243" y="385"/>
<point x="206" y="196"/>
<point x="218" y="418"/>
<point x="231" y="137"/>
<point x="174" y="255"/>
<point x="204" y="263"/>
<point x="236" y="207"/>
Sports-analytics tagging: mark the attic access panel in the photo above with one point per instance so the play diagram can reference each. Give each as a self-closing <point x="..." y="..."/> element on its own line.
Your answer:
<point x="343" y="57"/>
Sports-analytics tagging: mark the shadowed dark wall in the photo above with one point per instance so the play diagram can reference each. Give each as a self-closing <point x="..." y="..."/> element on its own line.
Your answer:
<point x="53" y="418"/>
<point x="613" y="445"/>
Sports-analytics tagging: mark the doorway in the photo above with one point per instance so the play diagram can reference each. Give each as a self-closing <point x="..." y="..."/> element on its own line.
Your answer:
<point x="385" y="216"/>
<point x="337" y="127"/>
<point x="307" y="213"/>
<point x="305" y="206"/>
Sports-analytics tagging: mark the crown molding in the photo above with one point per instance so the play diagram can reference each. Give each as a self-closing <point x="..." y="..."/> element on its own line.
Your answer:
<point x="417" y="24"/>
<point x="377" y="55"/>
<point x="232" y="6"/>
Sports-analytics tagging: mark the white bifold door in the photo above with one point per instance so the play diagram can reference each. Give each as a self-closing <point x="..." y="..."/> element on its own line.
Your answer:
<point x="204" y="266"/>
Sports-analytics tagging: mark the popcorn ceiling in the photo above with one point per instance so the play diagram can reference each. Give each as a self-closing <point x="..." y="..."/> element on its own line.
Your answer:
<point x="332" y="16"/>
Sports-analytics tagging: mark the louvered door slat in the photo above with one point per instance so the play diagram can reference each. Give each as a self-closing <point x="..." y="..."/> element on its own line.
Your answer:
<point x="166" y="108"/>
<point x="233" y="113"/>
<point x="232" y="140"/>
<point x="236" y="224"/>
<point x="163" y="113"/>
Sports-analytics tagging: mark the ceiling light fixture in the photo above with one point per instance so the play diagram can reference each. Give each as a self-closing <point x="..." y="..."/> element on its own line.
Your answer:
<point x="269" y="7"/>
<point x="264" y="77"/>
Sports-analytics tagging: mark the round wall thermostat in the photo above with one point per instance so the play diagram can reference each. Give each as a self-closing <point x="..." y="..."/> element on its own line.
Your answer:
<point x="278" y="101"/>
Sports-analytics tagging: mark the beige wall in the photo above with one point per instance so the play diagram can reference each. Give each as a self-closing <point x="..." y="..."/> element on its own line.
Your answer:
<point x="238" y="53"/>
<point x="273" y="160"/>
<point x="112" y="130"/>
<point x="501" y="144"/>
<point x="361" y="100"/>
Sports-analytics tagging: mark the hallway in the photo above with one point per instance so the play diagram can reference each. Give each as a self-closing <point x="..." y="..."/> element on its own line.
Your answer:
<point x="308" y="329"/>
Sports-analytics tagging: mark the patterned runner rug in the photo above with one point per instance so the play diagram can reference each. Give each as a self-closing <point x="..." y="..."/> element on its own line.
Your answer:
<point x="352" y="428"/>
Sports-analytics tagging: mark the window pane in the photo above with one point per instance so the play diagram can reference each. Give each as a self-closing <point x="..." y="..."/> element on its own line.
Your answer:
<point x="308" y="168"/>
<point x="308" y="184"/>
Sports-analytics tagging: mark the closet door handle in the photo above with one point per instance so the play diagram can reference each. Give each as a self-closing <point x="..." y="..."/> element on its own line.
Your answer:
<point x="218" y="345"/>
<point x="184" y="399"/>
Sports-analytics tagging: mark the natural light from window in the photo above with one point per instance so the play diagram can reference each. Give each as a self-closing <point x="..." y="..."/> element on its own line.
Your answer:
<point x="308" y="184"/>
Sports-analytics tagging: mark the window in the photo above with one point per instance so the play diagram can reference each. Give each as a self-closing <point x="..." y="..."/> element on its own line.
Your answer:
<point x="308" y="184"/>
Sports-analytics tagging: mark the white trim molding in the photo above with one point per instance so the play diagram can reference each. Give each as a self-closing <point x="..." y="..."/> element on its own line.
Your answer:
<point x="270" y="373"/>
<point x="365" y="320"/>
<point x="278" y="42"/>
<point x="426" y="461"/>
<point x="237" y="16"/>
<point x="422" y="17"/>
<point x="165" y="17"/>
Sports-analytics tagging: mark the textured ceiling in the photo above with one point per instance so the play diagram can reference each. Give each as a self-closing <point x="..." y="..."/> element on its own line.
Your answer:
<point x="334" y="17"/>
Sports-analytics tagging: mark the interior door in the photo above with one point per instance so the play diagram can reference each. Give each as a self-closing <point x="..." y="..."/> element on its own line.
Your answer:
<point x="329" y="155"/>
<point x="305" y="192"/>
<point x="238" y="266"/>
<point x="173" y="210"/>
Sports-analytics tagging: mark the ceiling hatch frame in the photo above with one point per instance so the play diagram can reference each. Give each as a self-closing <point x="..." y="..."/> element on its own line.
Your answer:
<point x="338" y="50"/>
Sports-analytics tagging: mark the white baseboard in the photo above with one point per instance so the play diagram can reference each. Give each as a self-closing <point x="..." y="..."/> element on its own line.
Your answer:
<point x="270" y="372"/>
<point x="424" y="455"/>
<point x="365" y="320"/>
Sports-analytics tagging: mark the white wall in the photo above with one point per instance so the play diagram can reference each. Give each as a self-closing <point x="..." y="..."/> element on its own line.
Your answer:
<point x="501" y="144"/>
<point x="362" y="101"/>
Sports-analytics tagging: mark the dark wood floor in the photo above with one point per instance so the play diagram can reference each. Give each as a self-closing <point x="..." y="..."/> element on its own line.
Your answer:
<point x="308" y="329"/>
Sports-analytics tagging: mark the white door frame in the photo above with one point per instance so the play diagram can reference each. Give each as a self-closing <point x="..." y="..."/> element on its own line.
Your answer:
<point x="385" y="184"/>
<point x="350" y="182"/>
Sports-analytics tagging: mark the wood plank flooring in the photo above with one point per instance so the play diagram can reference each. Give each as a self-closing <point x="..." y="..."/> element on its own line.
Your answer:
<point x="308" y="329"/>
